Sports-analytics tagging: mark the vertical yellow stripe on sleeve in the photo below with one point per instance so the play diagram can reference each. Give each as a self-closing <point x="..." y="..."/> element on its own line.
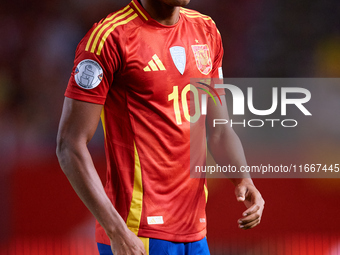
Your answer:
<point x="206" y="193"/>
<point x="135" y="213"/>
<point x="102" y="117"/>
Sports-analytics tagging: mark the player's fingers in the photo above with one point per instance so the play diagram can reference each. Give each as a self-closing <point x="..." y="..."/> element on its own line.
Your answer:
<point x="129" y="252"/>
<point x="249" y="218"/>
<point x="257" y="207"/>
<point x="251" y="210"/>
<point x="240" y="193"/>
<point x="138" y="249"/>
<point x="142" y="251"/>
<point x="141" y="247"/>
<point x="250" y="224"/>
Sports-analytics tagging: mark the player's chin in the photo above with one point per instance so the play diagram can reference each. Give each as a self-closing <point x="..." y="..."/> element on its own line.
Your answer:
<point x="180" y="3"/>
<point x="184" y="2"/>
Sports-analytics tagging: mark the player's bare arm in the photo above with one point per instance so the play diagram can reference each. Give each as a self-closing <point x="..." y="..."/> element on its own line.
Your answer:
<point x="226" y="148"/>
<point x="78" y="123"/>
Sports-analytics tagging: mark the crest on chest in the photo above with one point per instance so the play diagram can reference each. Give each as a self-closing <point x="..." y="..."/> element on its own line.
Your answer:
<point x="202" y="57"/>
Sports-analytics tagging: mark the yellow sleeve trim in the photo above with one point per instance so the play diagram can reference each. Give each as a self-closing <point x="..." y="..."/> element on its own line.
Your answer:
<point x="112" y="22"/>
<point x="108" y="32"/>
<point x="102" y="25"/>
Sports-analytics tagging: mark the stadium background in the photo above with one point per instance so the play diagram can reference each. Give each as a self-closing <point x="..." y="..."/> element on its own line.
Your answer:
<point x="40" y="213"/>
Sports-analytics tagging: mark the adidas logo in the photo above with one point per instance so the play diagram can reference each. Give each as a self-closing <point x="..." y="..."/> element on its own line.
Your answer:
<point x="155" y="220"/>
<point x="155" y="64"/>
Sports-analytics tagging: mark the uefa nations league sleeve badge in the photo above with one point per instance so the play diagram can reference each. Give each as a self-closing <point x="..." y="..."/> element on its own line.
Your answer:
<point x="88" y="74"/>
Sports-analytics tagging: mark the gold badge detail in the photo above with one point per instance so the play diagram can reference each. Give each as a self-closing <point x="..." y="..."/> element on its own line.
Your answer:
<point x="202" y="57"/>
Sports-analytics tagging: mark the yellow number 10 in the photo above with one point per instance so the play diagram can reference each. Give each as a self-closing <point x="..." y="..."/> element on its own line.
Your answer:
<point x="174" y="96"/>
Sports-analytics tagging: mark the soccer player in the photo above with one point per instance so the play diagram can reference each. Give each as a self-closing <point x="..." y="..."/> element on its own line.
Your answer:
<point x="133" y="70"/>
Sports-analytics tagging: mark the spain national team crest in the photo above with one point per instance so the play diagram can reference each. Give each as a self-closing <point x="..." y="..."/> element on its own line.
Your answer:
<point x="202" y="57"/>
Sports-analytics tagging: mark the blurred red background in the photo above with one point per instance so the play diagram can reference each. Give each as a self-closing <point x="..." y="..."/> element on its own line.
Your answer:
<point x="39" y="211"/>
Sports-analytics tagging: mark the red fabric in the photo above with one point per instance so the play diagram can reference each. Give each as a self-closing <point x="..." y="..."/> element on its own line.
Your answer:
<point x="138" y="110"/>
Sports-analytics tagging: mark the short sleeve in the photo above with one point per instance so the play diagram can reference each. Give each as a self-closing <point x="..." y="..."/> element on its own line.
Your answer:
<point x="93" y="72"/>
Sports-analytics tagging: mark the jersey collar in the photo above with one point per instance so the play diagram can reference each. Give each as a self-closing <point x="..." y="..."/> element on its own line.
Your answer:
<point x="140" y="10"/>
<point x="145" y="16"/>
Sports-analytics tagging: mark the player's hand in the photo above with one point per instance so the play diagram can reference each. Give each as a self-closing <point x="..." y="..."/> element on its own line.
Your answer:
<point x="246" y="192"/>
<point x="127" y="244"/>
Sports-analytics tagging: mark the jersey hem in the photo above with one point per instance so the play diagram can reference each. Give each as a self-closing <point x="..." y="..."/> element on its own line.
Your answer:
<point x="185" y="238"/>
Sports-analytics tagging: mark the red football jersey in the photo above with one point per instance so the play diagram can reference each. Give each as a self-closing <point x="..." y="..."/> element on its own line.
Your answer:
<point x="140" y="71"/>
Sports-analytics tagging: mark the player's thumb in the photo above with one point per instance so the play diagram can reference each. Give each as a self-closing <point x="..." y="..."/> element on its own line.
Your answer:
<point x="240" y="193"/>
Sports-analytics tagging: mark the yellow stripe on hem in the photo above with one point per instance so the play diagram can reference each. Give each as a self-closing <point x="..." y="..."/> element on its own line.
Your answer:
<point x="135" y="213"/>
<point x="101" y="25"/>
<point x="146" y="242"/>
<point x="108" y="32"/>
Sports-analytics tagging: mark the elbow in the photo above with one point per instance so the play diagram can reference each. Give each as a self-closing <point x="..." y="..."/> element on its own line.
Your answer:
<point x="61" y="145"/>
<point x="212" y="141"/>
<point x="63" y="153"/>
<point x="221" y="134"/>
<point x="60" y="150"/>
<point x="69" y="152"/>
<point x="216" y="134"/>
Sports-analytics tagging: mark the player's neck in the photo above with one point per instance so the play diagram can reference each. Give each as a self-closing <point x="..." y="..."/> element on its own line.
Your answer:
<point x="163" y="13"/>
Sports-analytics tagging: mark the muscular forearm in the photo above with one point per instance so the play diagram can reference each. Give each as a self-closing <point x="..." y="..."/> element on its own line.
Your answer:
<point x="78" y="123"/>
<point x="77" y="164"/>
<point x="226" y="148"/>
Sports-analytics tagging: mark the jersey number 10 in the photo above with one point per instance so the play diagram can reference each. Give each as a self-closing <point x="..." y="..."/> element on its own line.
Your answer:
<point x="174" y="96"/>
